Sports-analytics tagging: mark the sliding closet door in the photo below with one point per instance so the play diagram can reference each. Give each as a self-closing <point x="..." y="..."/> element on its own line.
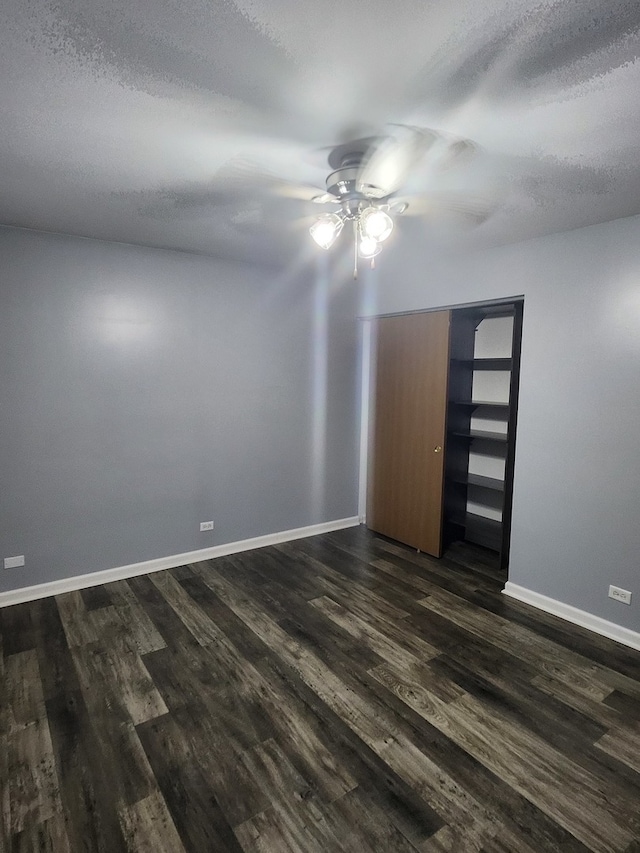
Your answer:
<point x="406" y="466"/>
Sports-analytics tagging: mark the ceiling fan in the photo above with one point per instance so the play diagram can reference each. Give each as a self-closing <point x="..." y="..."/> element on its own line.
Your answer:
<point x="403" y="171"/>
<point x="366" y="175"/>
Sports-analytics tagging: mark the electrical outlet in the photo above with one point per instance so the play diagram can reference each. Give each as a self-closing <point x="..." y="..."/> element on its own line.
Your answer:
<point x="618" y="594"/>
<point x="206" y="525"/>
<point x="14" y="562"/>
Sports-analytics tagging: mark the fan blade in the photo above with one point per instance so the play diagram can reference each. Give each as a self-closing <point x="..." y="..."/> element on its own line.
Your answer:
<point x="465" y="208"/>
<point x="389" y="162"/>
<point x="296" y="192"/>
<point x="325" y="198"/>
<point x="259" y="218"/>
<point x="449" y="151"/>
<point x="282" y="188"/>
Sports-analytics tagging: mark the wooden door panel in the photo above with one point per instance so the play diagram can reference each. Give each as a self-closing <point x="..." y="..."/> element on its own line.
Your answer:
<point x="409" y="422"/>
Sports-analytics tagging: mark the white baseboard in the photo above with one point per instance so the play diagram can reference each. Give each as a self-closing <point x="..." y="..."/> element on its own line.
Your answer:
<point x="572" y="614"/>
<point x="43" y="590"/>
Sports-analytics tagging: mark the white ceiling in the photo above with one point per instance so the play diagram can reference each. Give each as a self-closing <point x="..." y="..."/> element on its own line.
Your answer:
<point x="160" y="123"/>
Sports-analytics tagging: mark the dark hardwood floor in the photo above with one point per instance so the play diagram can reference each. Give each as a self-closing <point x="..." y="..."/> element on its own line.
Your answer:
<point x="338" y="693"/>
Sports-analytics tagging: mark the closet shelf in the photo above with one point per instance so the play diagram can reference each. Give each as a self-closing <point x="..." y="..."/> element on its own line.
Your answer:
<point x="483" y="531"/>
<point x="479" y="480"/>
<point x="484" y="363"/>
<point x="484" y="404"/>
<point x="479" y="529"/>
<point x="483" y="434"/>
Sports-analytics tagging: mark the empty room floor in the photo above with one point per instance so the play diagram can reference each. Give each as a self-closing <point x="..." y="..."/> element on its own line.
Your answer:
<point x="338" y="693"/>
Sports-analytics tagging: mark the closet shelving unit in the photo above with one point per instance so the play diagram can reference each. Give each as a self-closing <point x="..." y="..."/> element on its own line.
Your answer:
<point x="480" y="432"/>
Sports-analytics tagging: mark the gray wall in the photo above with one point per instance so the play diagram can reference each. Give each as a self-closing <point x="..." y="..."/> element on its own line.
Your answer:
<point x="143" y="391"/>
<point x="576" y="510"/>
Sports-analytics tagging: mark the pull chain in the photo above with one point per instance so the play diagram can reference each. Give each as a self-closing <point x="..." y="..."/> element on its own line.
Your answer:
<point x="355" y="250"/>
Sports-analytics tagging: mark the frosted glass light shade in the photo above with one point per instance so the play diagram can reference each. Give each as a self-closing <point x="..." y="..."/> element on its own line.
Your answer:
<point x="375" y="223"/>
<point x="369" y="247"/>
<point x="325" y="230"/>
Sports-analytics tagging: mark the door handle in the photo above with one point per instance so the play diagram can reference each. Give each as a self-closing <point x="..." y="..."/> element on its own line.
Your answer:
<point x="437" y="448"/>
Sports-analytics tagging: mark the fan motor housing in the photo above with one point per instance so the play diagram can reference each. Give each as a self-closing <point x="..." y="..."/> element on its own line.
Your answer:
<point x="343" y="184"/>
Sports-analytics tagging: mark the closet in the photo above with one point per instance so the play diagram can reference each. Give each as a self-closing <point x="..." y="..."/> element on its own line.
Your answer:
<point x="442" y="442"/>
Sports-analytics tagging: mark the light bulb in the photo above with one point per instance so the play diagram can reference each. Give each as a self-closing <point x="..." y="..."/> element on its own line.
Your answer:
<point x="376" y="223"/>
<point x="369" y="247"/>
<point x="326" y="229"/>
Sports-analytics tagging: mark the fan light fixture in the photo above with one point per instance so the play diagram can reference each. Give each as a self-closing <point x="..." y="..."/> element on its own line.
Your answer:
<point x="326" y="229"/>
<point x="369" y="247"/>
<point x="375" y="224"/>
<point x="371" y="226"/>
<point x="360" y="201"/>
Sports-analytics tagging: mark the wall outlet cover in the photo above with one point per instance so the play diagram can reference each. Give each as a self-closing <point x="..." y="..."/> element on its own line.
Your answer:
<point x="14" y="562"/>
<point x="619" y="594"/>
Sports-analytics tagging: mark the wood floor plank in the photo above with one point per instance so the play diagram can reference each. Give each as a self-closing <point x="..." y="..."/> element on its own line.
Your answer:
<point x="23" y="691"/>
<point x="508" y="809"/>
<point x="57" y="673"/>
<point x="88" y="790"/>
<point x="592" y="708"/>
<point x="597" y="648"/>
<point x="452" y="839"/>
<point x="50" y="836"/>
<point x="202" y="628"/>
<point x="118" y="694"/>
<point x="405" y="810"/>
<point x="586" y="677"/>
<point x="144" y="633"/>
<point x="365" y="824"/>
<point x="73" y="613"/>
<point x="93" y="779"/>
<point x="95" y="597"/>
<point x="4" y="702"/>
<point x="121" y="677"/>
<point x="340" y="566"/>
<point x="30" y="766"/>
<point x="31" y="776"/>
<point x="296" y="814"/>
<point x="623" y="742"/>
<point x="243" y="639"/>
<point x="331" y="582"/>
<point x="278" y="564"/>
<point x="195" y="811"/>
<point x="505" y="843"/>
<point x="5" y="794"/>
<point x="525" y="762"/>
<point x="403" y="570"/>
<point x="571" y="733"/>
<point x="218" y="755"/>
<point x="267" y="833"/>
<point x="352" y="823"/>
<point x="239" y="601"/>
<point x="148" y="828"/>
<point x="629" y="706"/>
<point x="380" y="637"/>
<point x="362" y="601"/>
<point x="17" y="628"/>
<point x="500" y="677"/>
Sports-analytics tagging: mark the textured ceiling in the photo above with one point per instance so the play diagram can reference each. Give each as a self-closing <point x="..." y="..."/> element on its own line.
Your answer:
<point x="176" y="123"/>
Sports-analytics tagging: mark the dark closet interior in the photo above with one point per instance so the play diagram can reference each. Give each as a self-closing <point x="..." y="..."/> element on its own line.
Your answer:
<point x="481" y="425"/>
